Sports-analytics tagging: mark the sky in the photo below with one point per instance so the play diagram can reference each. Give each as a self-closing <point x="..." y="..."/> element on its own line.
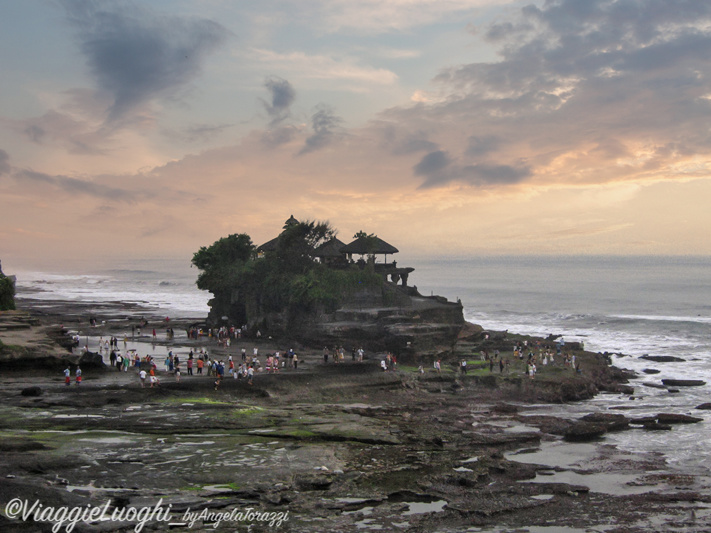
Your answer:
<point x="446" y="127"/>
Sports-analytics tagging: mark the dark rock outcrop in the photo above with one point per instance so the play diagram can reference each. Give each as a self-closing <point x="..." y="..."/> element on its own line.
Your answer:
<point x="92" y="360"/>
<point x="613" y="422"/>
<point x="683" y="382"/>
<point x="656" y="426"/>
<point x="416" y="324"/>
<point x="672" y="418"/>
<point x="585" y="431"/>
<point x="26" y="344"/>
<point x="663" y="358"/>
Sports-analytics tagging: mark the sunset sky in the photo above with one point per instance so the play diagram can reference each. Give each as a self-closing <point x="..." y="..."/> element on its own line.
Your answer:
<point x="136" y="129"/>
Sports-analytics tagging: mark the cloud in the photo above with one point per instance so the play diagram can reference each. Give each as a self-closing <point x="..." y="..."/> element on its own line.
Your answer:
<point x="326" y="126"/>
<point x="278" y="136"/>
<point x="282" y="96"/>
<point x="136" y="55"/>
<point x="74" y="133"/>
<point x="581" y="92"/>
<point x="482" y="145"/>
<point x="326" y="68"/>
<point x="439" y="168"/>
<point x="377" y="16"/>
<point x="4" y="163"/>
<point x="432" y="163"/>
<point x="73" y="186"/>
<point x="198" y="132"/>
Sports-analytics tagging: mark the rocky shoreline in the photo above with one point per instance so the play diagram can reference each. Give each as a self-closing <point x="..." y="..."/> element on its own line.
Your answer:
<point x="340" y="447"/>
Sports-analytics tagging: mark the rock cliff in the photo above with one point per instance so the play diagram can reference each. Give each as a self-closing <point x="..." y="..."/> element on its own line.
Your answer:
<point x="415" y="325"/>
<point x="394" y="318"/>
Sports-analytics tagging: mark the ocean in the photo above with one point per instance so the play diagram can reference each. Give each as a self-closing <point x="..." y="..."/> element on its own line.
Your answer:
<point x="626" y="306"/>
<point x="161" y="285"/>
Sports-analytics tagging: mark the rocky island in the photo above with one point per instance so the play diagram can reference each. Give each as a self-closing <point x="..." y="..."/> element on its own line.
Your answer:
<point x="307" y="286"/>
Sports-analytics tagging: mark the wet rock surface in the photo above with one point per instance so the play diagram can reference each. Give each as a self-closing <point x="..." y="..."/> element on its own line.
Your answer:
<point x="355" y="453"/>
<point x="341" y="448"/>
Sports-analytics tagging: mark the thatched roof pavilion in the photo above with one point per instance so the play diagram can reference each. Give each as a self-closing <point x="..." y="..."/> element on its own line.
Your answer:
<point x="330" y="252"/>
<point x="271" y="246"/>
<point x="369" y="246"/>
<point x="330" y="249"/>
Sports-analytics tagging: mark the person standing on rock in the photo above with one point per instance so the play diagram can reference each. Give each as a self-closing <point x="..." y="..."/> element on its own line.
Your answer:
<point x="296" y="361"/>
<point x="67" y="376"/>
<point x="77" y="375"/>
<point x="142" y="374"/>
<point x="438" y="366"/>
<point x="325" y="355"/>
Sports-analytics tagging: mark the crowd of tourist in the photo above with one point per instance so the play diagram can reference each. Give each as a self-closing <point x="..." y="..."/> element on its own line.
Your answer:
<point x="197" y="362"/>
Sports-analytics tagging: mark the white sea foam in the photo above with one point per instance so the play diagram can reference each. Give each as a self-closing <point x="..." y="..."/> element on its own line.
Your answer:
<point x="665" y="318"/>
<point x="178" y="295"/>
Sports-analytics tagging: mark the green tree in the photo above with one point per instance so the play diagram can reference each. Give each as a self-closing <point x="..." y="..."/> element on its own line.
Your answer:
<point x="222" y="262"/>
<point x="287" y="281"/>
<point x="7" y="293"/>
<point x="223" y="266"/>
<point x="297" y="244"/>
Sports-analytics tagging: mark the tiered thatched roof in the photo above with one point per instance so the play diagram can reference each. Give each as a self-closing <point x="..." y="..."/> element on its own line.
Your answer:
<point x="330" y="249"/>
<point x="270" y="246"/>
<point x="369" y="245"/>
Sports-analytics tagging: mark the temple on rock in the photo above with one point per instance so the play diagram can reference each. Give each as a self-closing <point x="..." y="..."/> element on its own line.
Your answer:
<point x="367" y="248"/>
<point x="307" y="286"/>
